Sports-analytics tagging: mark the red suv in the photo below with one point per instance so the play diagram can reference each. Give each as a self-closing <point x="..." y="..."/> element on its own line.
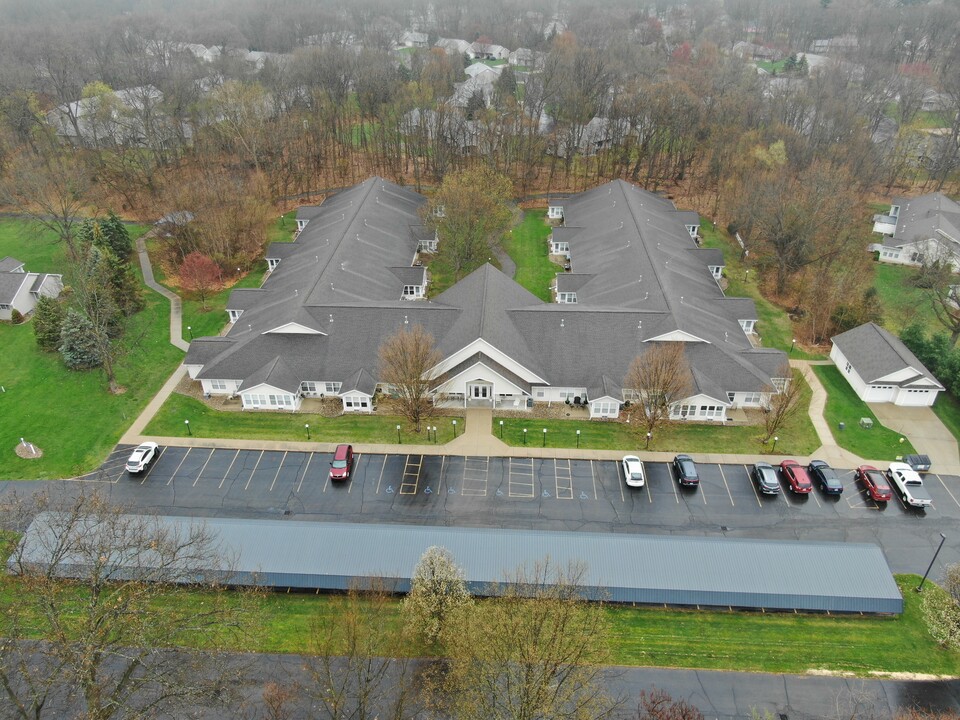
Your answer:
<point x="875" y="483"/>
<point x="342" y="464"/>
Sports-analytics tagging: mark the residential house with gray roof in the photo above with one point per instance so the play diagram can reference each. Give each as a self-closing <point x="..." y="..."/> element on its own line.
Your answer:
<point x="352" y="278"/>
<point x="880" y="368"/>
<point x="20" y="290"/>
<point x="919" y="230"/>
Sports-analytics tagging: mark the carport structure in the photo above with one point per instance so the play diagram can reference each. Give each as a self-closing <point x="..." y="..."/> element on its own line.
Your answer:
<point x="622" y="568"/>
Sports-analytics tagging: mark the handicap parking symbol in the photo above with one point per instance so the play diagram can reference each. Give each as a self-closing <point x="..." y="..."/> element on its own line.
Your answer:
<point x="427" y="490"/>
<point x="451" y="491"/>
<point x="583" y="495"/>
<point x="499" y="492"/>
<point x="389" y="489"/>
<point x="546" y="493"/>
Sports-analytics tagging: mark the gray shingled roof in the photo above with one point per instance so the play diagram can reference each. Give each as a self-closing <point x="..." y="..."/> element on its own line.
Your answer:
<point x="875" y="353"/>
<point x="618" y="567"/>
<point x="9" y="264"/>
<point x="10" y="284"/>
<point x="637" y="272"/>
<point x="921" y="217"/>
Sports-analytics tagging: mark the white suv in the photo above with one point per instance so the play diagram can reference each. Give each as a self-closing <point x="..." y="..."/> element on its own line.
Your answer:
<point x="141" y="457"/>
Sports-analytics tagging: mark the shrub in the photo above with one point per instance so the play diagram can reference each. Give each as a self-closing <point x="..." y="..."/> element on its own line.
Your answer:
<point x="16" y="317"/>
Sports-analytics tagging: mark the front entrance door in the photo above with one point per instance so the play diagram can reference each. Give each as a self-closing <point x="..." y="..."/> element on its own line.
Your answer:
<point x="479" y="392"/>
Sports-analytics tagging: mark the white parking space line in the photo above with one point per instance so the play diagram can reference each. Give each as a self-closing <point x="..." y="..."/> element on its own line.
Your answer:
<point x="356" y="459"/>
<point x="673" y="485"/>
<point x="623" y="498"/>
<point x="593" y="478"/>
<point x="255" y="466"/>
<point x="382" y="468"/>
<point x="278" y="471"/>
<point x="443" y="463"/>
<point x="563" y="478"/>
<point x="947" y="489"/>
<point x="752" y="486"/>
<point x="475" y="473"/>
<point x="203" y="468"/>
<point x="155" y="463"/>
<point x="520" y="482"/>
<point x="724" y="478"/>
<point x="179" y="465"/>
<point x="305" y="469"/>
<point x="410" y="480"/>
<point x="229" y="468"/>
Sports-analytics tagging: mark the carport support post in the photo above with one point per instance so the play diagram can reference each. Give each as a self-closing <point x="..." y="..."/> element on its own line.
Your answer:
<point x="187" y="424"/>
<point x="924" y="578"/>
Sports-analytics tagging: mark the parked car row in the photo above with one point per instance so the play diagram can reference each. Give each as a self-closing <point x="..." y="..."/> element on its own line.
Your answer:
<point x="801" y="479"/>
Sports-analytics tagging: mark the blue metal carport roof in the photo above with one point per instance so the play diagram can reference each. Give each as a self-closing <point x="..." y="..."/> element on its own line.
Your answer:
<point x="626" y="568"/>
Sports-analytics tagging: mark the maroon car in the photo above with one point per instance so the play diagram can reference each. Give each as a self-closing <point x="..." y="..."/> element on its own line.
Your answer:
<point x="342" y="464"/>
<point x="796" y="475"/>
<point x="875" y="483"/>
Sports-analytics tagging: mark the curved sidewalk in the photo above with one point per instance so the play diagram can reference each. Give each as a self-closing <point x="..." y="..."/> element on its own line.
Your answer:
<point x="176" y="307"/>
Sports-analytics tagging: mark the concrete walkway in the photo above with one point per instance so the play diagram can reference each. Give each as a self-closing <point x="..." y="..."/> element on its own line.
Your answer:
<point x="176" y="310"/>
<point x="926" y="431"/>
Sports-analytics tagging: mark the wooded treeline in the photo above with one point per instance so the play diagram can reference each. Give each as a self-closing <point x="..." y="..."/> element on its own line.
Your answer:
<point x="654" y="94"/>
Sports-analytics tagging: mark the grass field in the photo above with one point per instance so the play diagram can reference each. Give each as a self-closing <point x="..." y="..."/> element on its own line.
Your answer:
<point x="797" y="437"/>
<point x="843" y="405"/>
<point x="208" y="423"/>
<point x="644" y="637"/>
<point x="947" y="408"/>
<point x="70" y="415"/>
<point x="527" y="246"/>
<point x="903" y="304"/>
<point x="773" y="324"/>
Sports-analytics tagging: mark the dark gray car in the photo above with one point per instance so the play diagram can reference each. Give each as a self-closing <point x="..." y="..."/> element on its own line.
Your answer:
<point x="766" y="479"/>
<point x="825" y="476"/>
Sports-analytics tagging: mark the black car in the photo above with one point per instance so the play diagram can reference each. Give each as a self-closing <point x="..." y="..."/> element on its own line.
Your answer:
<point x="686" y="470"/>
<point x="766" y="478"/>
<point x="825" y="476"/>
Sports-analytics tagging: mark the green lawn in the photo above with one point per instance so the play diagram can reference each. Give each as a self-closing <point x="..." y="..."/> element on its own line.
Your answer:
<point x="527" y="246"/>
<point x="70" y="415"/>
<point x="843" y="405"/>
<point x="208" y="423"/>
<point x="771" y="67"/>
<point x="903" y="304"/>
<point x="797" y="437"/>
<point x="773" y="324"/>
<point x="947" y="408"/>
<point x="38" y="249"/>
<point x="657" y="637"/>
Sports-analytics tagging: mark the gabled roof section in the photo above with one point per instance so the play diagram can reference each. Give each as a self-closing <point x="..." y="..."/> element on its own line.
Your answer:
<point x="246" y="298"/>
<point x="875" y="353"/>
<point x="411" y="275"/>
<point x="204" y="349"/>
<point x="10" y="264"/>
<point x="10" y="284"/>
<point x="361" y="381"/>
<point x="276" y="373"/>
<point x="925" y="217"/>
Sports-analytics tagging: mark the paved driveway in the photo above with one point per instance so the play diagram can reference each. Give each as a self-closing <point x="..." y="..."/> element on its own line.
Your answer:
<point x="925" y="430"/>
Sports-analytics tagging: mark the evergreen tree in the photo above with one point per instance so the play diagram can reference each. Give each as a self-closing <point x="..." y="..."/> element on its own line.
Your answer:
<point x="47" y="322"/>
<point x="116" y="236"/>
<point x="78" y="346"/>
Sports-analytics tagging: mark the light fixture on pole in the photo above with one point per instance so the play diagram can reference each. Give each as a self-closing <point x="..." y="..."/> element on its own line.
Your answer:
<point x="775" y="438"/>
<point x="793" y="344"/>
<point x="544" y="437"/>
<point x="190" y="330"/>
<point x="454" y="429"/>
<point x="524" y="436"/>
<point x="307" y="426"/>
<point x="398" y="436"/>
<point x="578" y="439"/>
<point x="930" y="567"/>
<point x="649" y="435"/>
<point x="501" y="429"/>
<point x="187" y="424"/>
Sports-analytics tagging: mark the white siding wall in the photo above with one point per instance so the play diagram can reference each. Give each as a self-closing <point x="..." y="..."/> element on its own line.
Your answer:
<point x="357" y="402"/>
<point x="558" y="394"/>
<point x="915" y="398"/>
<point x="849" y="372"/>
<point x="605" y="407"/>
<point x="208" y="385"/>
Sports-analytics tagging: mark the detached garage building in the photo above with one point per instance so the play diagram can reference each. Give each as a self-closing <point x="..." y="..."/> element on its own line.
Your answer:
<point x="880" y="368"/>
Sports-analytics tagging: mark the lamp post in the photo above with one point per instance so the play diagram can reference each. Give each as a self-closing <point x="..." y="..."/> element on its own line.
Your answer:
<point x="649" y="435"/>
<point x="775" y="438"/>
<point x="793" y="344"/>
<point x="524" y="436"/>
<point x="578" y="439"/>
<point x="307" y="427"/>
<point x="399" y="442"/>
<point x="434" y="434"/>
<point x="454" y="429"/>
<point x="501" y="429"/>
<point x="187" y="424"/>
<point x="930" y="567"/>
<point x="190" y="330"/>
<point x="544" y="437"/>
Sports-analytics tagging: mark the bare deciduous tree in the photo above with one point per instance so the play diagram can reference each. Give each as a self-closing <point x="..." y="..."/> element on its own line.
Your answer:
<point x="535" y="651"/>
<point x="657" y="704"/>
<point x="660" y="377"/>
<point x="784" y="404"/>
<point x="199" y="275"/>
<point x="406" y="363"/>
<point x="98" y="617"/>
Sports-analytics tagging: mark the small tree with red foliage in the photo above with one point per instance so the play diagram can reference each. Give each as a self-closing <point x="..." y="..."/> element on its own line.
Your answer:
<point x="199" y="275"/>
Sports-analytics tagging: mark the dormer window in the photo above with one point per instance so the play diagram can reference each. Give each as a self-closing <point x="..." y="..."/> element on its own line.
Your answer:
<point x="234" y="315"/>
<point x="894" y="211"/>
<point x="567" y="297"/>
<point x="555" y="212"/>
<point x="439" y="211"/>
<point x="411" y="292"/>
<point x="692" y="229"/>
<point x="272" y="263"/>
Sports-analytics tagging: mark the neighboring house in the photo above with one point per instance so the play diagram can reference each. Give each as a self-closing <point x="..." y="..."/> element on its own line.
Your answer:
<point x="524" y="57"/>
<point x="453" y="46"/>
<point x="116" y="118"/>
<point x="482" y="49"/>
<point x="351" y="279"/>
<point x="413" y="39"/>
<point x="919" y="230"/>
<point x="880" y="368"/>
<point x="752" y="51"/>
<point x="478" y="68"/>
<point x="839" y="45"/>
<point x="20" y="290"/>
<point x="482" y="84"/>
